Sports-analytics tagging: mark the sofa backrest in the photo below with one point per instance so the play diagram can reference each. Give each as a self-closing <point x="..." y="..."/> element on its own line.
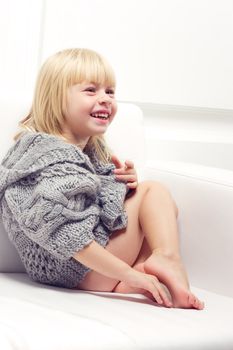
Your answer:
<point x="125" y="137"/>
<point x="11" y="111"/>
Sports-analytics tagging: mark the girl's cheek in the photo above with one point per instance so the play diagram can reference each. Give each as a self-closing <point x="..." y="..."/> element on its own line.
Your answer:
<point x="114" y="111"/>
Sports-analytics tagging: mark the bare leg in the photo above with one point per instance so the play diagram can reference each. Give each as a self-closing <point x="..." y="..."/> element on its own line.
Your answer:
<point x="157" y="216"/>
<point x="151" y="210"/>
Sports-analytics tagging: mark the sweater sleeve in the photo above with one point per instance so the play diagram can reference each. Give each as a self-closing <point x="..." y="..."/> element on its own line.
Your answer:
<point x="112" y="197"/>
<point x="112" y="193"/>
<point x="61" y="210"/>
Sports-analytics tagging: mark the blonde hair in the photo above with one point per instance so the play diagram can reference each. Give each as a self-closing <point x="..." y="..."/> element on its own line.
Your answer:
<point x="58" y="73"/>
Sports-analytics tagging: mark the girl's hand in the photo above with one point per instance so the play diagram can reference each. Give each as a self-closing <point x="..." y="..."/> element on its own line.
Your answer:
<point x="149" y="283"/>
<point x="125" y="172"/>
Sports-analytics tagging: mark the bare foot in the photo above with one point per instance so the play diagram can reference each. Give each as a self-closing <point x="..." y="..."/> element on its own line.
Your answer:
<point x="171" y="272"/>
<point x="124" y="288"/>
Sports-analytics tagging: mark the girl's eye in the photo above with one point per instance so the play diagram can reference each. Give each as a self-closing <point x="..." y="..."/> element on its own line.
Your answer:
<point x="90" y="89"/>
<point x="110" y="92"/>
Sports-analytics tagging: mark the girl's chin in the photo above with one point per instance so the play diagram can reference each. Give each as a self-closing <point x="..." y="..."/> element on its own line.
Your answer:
<point x="101" y="122"/>
<point x="100" y="127"/>
<point x="99" y="133"/>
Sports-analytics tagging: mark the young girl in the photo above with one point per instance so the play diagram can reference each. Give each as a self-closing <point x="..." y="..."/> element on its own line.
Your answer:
<point x="76" y="214"/>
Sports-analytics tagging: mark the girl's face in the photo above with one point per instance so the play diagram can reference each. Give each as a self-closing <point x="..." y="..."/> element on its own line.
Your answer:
<point x="90" y="110"/>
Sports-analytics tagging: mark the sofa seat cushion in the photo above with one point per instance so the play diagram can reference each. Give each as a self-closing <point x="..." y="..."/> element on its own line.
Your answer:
<point x="35" y="316"/>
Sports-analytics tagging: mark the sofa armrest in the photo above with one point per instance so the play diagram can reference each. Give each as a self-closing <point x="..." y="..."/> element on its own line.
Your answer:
<point x="204" y="197"/>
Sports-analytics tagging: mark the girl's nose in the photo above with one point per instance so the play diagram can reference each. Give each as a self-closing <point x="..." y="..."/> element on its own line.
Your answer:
<point x="104" y="98"/>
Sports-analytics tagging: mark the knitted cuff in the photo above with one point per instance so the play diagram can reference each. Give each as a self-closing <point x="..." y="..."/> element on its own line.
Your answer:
<point x="113" y="216"/>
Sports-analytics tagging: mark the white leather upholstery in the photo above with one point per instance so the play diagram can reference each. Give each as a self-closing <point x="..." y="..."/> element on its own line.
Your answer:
<point x="39" y="317"/>
<point x="36" y="317"/>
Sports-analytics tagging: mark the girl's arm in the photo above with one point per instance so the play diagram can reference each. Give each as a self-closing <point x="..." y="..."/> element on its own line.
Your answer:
<point x="102" y="261"/>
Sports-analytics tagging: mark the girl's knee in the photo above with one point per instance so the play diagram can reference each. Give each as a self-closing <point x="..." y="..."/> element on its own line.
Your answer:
<point x="160" y="190"/>
<point x="176" y="209"/>
<point x="155" y="185"/>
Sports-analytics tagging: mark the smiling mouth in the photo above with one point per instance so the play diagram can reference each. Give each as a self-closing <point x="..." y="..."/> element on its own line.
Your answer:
<point x="103" y="116"/>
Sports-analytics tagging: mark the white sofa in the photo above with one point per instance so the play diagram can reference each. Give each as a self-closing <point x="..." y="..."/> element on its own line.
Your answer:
<point x="36" y="317"/>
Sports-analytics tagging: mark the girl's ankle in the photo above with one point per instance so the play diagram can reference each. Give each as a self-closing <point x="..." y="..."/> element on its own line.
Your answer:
<point x="170" y="254"/>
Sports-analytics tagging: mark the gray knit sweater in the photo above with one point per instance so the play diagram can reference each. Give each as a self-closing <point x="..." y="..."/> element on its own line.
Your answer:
<point x="55" y="200"/>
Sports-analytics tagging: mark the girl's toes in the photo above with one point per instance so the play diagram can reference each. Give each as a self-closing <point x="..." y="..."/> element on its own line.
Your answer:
<point x="200" y="305"/>
<point x="196" y="303"/>
<point x="191" y="299"/>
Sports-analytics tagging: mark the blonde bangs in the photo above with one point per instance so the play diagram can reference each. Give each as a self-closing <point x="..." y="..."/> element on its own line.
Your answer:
<point x="89" y="66"/>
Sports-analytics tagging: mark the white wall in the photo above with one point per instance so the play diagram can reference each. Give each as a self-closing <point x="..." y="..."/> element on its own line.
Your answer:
<point x="20" y="29"/>
<point x="20" y="32"/>
<point x="177" y="52"/>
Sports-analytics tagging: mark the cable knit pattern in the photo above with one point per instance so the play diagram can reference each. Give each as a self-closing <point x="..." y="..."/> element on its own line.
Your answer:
<point x="55" y="200"/>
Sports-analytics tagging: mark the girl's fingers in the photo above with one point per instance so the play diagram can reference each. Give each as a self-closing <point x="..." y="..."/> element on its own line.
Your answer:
<point x="123" y="171"/>
<point x="163" y="294"/>
<point x="151" y="284"/>
<point x="157" y="297"/>
<point x="132" y="185"/>
<point x="126" y="178"/>
<point x="130" y="180"/>
<point x="129" y="164"/>
<point x="160" y="294"/>
<point x="116" y="162"/>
